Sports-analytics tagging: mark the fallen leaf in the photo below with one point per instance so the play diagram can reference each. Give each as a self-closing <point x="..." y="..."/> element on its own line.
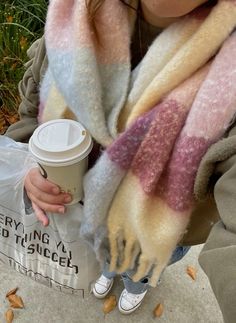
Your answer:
<point x="109" y="304"/>
<point x="15" y="301"/>
<point x="191" y="271"/>
<point x="9" y="315"/>
<point x="158" y="311"/>
<point x="9" y="19"/>
<point x="12" y="291"/>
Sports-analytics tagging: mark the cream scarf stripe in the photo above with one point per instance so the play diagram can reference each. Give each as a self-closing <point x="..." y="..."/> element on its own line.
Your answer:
<point x="198" y="49"/>
<point x="168" y="42"/>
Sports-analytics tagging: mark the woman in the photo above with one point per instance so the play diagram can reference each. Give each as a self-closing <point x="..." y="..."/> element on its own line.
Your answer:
<point x="134" y="101"/>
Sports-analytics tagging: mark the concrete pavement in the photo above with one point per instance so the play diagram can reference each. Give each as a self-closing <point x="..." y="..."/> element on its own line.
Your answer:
<point x="184" y="300"/>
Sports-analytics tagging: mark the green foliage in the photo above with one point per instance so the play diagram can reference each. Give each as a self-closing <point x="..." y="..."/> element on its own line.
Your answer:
<point x="21" y="22"/>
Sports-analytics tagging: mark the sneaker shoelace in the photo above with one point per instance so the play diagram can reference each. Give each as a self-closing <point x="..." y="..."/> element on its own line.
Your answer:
<point x="104" y="281"/>
<point x="133" y="299"/>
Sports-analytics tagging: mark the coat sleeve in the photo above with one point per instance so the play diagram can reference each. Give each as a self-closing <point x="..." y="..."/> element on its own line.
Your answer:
<point x="29" y="93"/>
<point x="218" y="257"/>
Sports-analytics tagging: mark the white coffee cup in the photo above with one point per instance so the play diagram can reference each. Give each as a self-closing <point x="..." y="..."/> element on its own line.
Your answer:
<point x="61" y="148"/>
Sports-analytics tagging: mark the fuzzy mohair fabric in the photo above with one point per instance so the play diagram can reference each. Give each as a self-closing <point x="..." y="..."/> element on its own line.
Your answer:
<point x="157" y="123"/>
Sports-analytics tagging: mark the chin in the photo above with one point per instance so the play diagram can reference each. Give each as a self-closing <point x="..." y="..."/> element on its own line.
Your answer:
<point x="172" y="13"/>
<point x="178" y="8"/>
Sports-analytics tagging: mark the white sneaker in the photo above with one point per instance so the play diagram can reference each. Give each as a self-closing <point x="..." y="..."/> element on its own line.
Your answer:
<point x="102" y="286"/>
<point x="129" y="302"/>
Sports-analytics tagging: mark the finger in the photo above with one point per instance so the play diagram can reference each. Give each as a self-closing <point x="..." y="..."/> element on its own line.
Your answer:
<point x="37" y="180"/>
<point x="46" y="207"/>
<point x="40" y="214"/>
<point x="45" y="197"/>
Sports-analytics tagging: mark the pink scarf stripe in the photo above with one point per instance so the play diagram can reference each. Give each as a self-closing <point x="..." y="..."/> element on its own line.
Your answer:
<point x="156" y="147"/>
<point x="214" y="107"/>
<point x="176" y="186"/>
<point x="124" y="148"/>
<point x="60" y="23"/>
<point x="66" y="18"/>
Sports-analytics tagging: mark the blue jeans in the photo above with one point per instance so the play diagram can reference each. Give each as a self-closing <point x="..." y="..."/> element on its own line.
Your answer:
<point x="142" y="285"/>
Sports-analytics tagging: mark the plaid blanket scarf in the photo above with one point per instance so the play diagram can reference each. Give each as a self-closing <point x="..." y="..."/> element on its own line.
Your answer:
<point x="156" y="122"/>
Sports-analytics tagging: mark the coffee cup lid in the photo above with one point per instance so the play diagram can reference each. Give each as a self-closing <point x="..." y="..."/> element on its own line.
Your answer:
<point x="60" y="142"/>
